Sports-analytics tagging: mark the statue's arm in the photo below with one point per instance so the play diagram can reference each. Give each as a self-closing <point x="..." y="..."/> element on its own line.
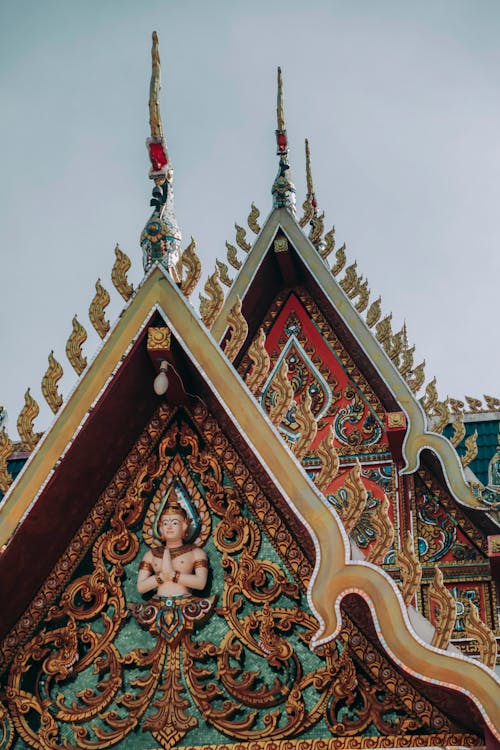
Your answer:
<point x="198" y="578"/>
<point x="146" y="578"/>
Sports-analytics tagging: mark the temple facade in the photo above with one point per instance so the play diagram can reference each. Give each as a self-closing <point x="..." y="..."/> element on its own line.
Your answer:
<point x="252" y="525"/>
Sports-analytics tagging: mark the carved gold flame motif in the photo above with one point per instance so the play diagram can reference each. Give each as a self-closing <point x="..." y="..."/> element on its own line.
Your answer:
<point x="308" y="212"/>
<point x="6" y="448"/>
<point x="406" y="363"/>
<point x="119" y="274"/>
<point x="350" y="278"/>
<point x="384" y="532"/>
<point x="192" y="265"/>
<point x="317" y="229"/>
<point x="475" y="404"/>
<point x="330" y="462"/>
<point x="260" y="361"/>
<point x="329" y="245"/>
<point x="27" y="416"/>
<point x="96" y="310"/>
<point x="374" y="313"/>
<point x="442" y="412"/>
<point x="74" y="347"/>
<point x="478" y="630"/>
<point x="471" y="449"/>
<point x="238" y="331"/>
<point x="340" y="260"/>
<point x="307" y="425"/>
<point x="240" y="238"/>
<point x="211" y="305"/>
<point x="430" y="398"/>
<point x="456" y="406"/>
<point x="232" y="256"/>
<point x="418" y="376"/>
<point x="410" y="569"/>
<point x="442" y="603"/>
<point x="383" y="330"/>
<point x="252" y="219"/>
<point x="356" y="496"/>
<point x="458" y="430"/>
<point x="223" y="273"/>
<point x="281" y="394"/>
<point x="492" y="403"/>
<point x="52" y="375"/>
<point x="363" y="298"/>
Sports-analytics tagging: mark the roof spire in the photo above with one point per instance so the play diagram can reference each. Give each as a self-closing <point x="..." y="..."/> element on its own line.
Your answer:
<point x="160" y="239"/>
<point x="310" y="197"/>
<point x="283" y="189"/>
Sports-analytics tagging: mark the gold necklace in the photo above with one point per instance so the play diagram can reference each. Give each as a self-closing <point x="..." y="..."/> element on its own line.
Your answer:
<point x="174" y="552"/>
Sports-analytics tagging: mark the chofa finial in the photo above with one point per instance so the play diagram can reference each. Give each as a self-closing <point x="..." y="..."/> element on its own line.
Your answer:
<point x="283" y="189"/>
<point x="160" y="239"/>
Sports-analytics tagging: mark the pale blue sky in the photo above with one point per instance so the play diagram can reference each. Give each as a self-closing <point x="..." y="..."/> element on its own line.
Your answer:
<point x="400" y="101"/>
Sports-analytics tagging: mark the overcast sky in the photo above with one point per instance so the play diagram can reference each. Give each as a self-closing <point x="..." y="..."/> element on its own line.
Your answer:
<point x="400" y="101"/>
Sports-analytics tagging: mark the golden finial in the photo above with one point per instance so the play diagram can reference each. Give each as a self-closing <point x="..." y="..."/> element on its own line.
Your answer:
<point x="471" y="449"/>
<point x="383" y="330"/>
<point x="223" y="273"/>
<point x="430" y="398"/>
<point x="25" y="420"/>
<point x="317" y="228"/>
<point x="374" y="313"/>
<point x="260" y="359"/>
<point x="475" y="404"/>
<point x="384" y="532"/>
<point x="232" y="256"/>
<point x="307" y="424"/>
<point x="458" y="430"/>
<point x="410" y="569"/>
<point x="350" y="277"/>
<point x="154" y="91"/>
<point x="356" y="497"/>
<point x="406" y="363"/>
<point x="74" y="347"/>
<point x="119" y="274"/>
<point x="364" y="297"/>
<point x="456" y="406"/>
<point x="239" y="331"/>
<point x="418" y="377"/>
<point x="240" y="238"/>
<point x="280" y="115"/>
<point x="309" y="179"/>
<point x="96" y="309"/>
<point x="192" y="264"/>
<point x="442" y="412"/>
<point x="211" y="305"/>
<point x="252" y="219"/>
<point x="52" y="375"/>
<point x="6" y="448"/>
<point x="283" y="190"/>
<point x="492" y="403"/>
<point x="330" y="462"/>
<point x="329" y="244"/>
<point x="442" y="603"/>
<point x="340" y="258"/>
<point x="476" y="629"/>
<point x="309" y="206"/>
<point x="282" y="391"/>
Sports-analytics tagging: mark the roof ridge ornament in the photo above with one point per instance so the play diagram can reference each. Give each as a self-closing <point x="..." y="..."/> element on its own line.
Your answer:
<point x="283" y="190"/>
<point x="161" y="237"/>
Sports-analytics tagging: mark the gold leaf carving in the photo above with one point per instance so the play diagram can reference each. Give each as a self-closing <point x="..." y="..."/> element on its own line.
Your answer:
<point x="430" y="398"/>
<point x="442" y="604"/>
<point x="192" y="264"/>
<point x="96" y="309"/>
<point x="308" y="210"/>
<point x="442" y="412"/>
<point x="475" y="404"/>
<point x="252" y="219"/>
<point x="329" y="462"/>
<point x="329" y="245"/>
<point x="52" y="375"/>
<point x="25" y="420"/>
<point x="119" y="274"/>
<point x="211" y="305"/>
<point x="396" y="346"/>
<point x="232" y="256"/>
<point x="239" y="331"/>
<point x="470" y="449"/>
<point x="384" y="532"/>
<point x="478" y="630"/>
<point x="282" y="389"/>
<point x="261" y="361"/>
<point x="240" y="238"/>
<point x="364" y="297"/>
<point x="383" y="330"/>
<point x="307" y="424"/>
<point x="6" y="448"/>
<point x="74" y="346"/>
<point x="356" y="498"/>
<point x="317" y="228"/>
<point x="410" y="568"/>
<point x="458" y="430"/>
<point x="354" y="291"/>
<point x="492" y="403"/>
<point x="350" y="278"/>
<point x="406" y="362"/>
<point x="456" y="406"/>
<point x="374" y="313"/>
<point x="340" y="258"/>
<point x="416" y="382"/>
<point x="223" y="273"/>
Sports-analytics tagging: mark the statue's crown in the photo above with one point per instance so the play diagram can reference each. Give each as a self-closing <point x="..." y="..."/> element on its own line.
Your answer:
<point x="175" y="509"/>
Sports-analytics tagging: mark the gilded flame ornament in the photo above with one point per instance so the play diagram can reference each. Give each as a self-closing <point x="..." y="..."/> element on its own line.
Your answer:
<point x="240" y="238"/>
<point x="232" y="256"/>
<point x="329" y="244"/>
<point x="6" y="448"/>
<point x="252" y="219"/>
<point x="350" y="278"/>
<point x="260" y="361"/>
<point x="409" y="567"/>
<point x="96" y="310"/>
<point x="119" y="274"/>
<point x="27" y="416"/>
<point x="211" y="305"/>
<point x="458" y="430"/>
<point x="192" y="265"/>
<point x="476" y="629"/>
<point x="74" y="346"/>
<point x="330" y="462"/>
<point x="374" y="313"/>
<point x="281" y="390"/>
<point x="238" y="331"/>
<point x="442" y="603"/>
<point x="52" y="375"/>
<point x="416" y="377"/>
<point x="307" y="425"/>
<point x="340" y="260"/>
<point x="471" y="450"/>
<point x="223" y="273"/>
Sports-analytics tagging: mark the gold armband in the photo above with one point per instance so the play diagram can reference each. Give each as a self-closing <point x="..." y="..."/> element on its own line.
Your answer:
<point x="159" y="579"/>
<point x="200" y="564"/>
<point x="147" y="566"/>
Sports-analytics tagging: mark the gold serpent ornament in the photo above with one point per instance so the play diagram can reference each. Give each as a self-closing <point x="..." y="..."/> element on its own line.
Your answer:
<point x="99" y="303"/>
<point x="52" y="375"/>
<point x="74" y="353"/>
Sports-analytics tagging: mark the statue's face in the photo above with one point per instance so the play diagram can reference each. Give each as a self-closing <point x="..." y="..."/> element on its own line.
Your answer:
<point x="173" y="527"/>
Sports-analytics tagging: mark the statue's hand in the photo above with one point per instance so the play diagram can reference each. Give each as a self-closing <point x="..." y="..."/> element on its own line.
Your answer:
<point x="167" y="569"/>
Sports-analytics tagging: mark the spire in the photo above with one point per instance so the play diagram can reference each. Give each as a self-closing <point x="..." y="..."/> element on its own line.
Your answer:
<point x="160" y="239"/>
<point x="310" y="197"/>
<point x="283" y="189"/>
